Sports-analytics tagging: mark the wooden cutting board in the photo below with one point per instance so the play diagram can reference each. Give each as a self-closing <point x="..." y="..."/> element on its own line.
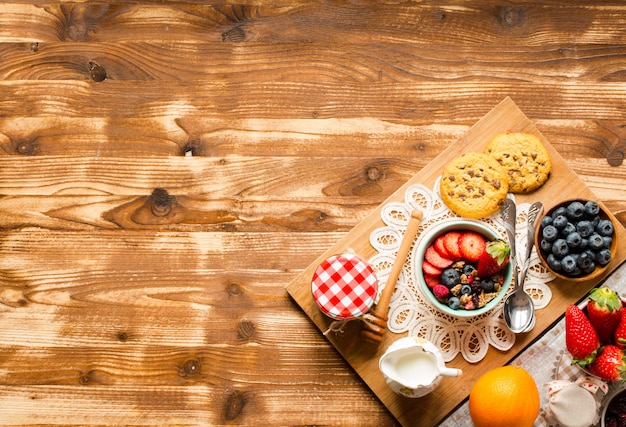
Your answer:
<point x="363" y="356"/>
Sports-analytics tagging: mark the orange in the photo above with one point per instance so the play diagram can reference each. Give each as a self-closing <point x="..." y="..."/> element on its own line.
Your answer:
<point x="505" y="396"/>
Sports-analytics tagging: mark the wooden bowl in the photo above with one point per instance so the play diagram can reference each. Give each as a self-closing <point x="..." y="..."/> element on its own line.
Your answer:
<point x="582" y="276"/>
<point x="428" y="239"/>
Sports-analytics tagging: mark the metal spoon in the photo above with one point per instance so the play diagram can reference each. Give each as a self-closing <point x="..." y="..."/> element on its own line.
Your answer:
<point x="518" y="309"/>
<point x="534" y="212"/>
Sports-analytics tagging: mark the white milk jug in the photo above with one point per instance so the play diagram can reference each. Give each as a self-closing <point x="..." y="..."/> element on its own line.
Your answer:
<point x="413" y="367"/>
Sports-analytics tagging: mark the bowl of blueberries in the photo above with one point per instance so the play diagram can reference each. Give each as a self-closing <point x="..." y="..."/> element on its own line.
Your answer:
<point x="576" y="240"/>
<point x="445" y="267"/>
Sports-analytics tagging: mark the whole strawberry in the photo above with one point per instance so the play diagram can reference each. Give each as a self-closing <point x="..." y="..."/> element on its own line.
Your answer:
<point x="581" y="339"/>
<point x="603" y="310"/>
<point x="610" y="364"/>
<point x="494" y="258"/>
<point x="619" y="336"/>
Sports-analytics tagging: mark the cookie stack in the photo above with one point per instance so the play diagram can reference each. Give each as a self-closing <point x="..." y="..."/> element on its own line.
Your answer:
<point x="474" y="185"/>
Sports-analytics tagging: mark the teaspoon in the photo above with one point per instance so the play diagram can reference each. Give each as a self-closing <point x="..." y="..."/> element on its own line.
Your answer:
<point x="518" y="307"/>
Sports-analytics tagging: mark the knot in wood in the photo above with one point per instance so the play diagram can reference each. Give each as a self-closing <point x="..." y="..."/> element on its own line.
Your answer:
<point x="235" y="402"/>
<point x="512" y="16"/>
<point x="246" y="329"/>
<point x="191" y="366"/>
<point x="84" y="379"/>
<point x="97" y="73"/>
<point x="234" y="289"/>
<point x="25" y="147"/>
<point x="615" y="158"/>
<point x="161" y="202"/>
<point x="235" y="34"/>
<point x="122" y="336"/>
<point x="374" y="174"/>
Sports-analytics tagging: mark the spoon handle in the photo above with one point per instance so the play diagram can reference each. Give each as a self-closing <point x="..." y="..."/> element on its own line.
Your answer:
<point x="534" y="211"/>
<point x="509" y="215"/>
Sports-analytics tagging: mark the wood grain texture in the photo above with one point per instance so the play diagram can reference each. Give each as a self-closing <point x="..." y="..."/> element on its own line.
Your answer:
<point x="166" y="168"/>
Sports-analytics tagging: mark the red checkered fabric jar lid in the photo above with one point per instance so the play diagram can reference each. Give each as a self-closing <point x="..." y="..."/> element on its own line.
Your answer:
<point x="344" y="286"/>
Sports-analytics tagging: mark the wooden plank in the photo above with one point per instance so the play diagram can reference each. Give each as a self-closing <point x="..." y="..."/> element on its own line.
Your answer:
<point x="357" y="61"/>
<point x="487" y="22"/>
<point x="456" y="102"/>
<point x="363" y="357"/>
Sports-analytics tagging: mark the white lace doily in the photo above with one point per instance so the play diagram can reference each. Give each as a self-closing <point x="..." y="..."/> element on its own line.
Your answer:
<point x="409" y="310"/>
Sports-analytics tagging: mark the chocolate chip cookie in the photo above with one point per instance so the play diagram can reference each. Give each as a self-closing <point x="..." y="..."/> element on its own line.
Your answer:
<point x="525" y="159"/>
<point x="474" y="185"/>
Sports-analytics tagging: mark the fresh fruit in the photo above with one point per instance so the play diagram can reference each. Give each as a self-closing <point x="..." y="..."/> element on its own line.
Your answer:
<point x="440" y="247"/>
<point x="603" y="311"/>
<point x="581" y="339"/>
<point x="450" y="277"/>
<point x="458" y="274"/>
<point x="609" y="365"/>
<point x="430" y="269"/>
<point x="471" y="245"/>
<point x="437" y="260"/>
<point x="431" y="280"/>
<point x="572" y="238"/>
<point x="441" y="292"/>
<point x="505" y="396"/>
<point x="451" y="242"/>
<point x="619" y="336"/>
<point x="494" y="258"/>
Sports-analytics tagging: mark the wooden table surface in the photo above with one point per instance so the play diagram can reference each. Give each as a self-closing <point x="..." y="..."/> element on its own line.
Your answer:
<point x="167" y="168"/>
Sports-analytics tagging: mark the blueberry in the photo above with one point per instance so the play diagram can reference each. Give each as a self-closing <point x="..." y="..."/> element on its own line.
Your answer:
<point x="560" y="248"/>
<point x="454" y="303"/>
<point x="605" y="227"/>
<point x="568" y="229"/>
<point x="583" y="261"/>
<point x="585" y="228"/>
<point x="595" y="220"/>
<point x="487" y="285"/>
<point x="590" y="268"/>
<point x="584" y="244"/>
<point x="603" y="257"/>
<point x="591" y="254"/>
<point x="466" y="290"/>
<point x="468" y="269"/>
<point x="550" y="233"/>
<point x="575" y="211"/>
<point x="596" y="242"/>
<point x="568" y="263"/>
<point x="546" y="220"/>
<point x="553" y="262"/>
<point x="545" y="245"/>
<point x="450" y="277"/>
<point x="560" y="222"/>
<point x="561" y="210"/>
<point x="573" y="240"/>
<point x="607" y="241"/>
<point x="591" y="209"/>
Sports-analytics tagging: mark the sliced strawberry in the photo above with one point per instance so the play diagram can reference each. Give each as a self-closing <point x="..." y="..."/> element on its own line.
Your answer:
<point x="471" y="245"/>
<point x="431" y="280"/>
<point x="430" y="269"/>
<point x="437" y="260"/>
<point x="451" y="242"/>
<point x="440" y="247"/>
